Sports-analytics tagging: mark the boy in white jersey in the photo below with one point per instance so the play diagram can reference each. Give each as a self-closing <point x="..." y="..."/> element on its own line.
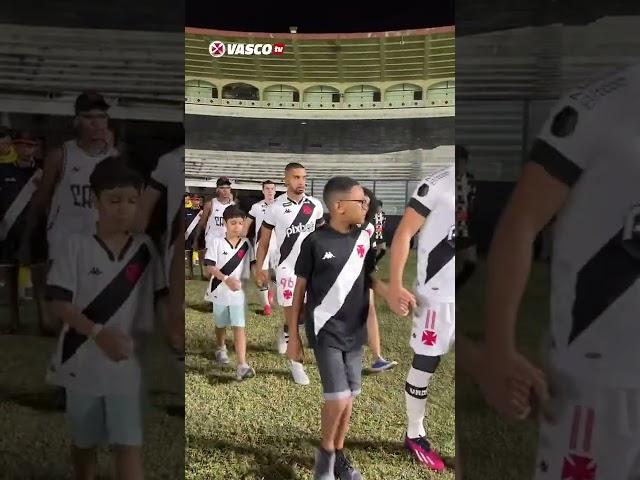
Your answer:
<point x="229" y="260"/>
<point x="584" y="164"/>
<point x="431" y="215"/>
<point x="257" y="213"/>
<point x="292" y="217"/>
<point x="103" y="287"/>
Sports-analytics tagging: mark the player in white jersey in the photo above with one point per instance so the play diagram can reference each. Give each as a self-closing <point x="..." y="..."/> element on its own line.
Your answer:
<point x="256" y="214"/>
<point x="292" y="217"/>
<point x="431" y="215"/>
<point x="167" y="179"/>
<point x="584" y="170"/>
<point x="103" y="286"/>
<point x="212" y="221"/>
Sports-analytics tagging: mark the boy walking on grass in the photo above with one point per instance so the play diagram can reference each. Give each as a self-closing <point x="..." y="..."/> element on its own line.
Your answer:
<point x="103" y="287"/>
<point x="334" y="271"/>
<point x="228" y="261"/>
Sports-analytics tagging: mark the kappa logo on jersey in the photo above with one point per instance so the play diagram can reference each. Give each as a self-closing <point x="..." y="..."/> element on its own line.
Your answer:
<point x="95" y="271"/>
<point x="360" y="250"/>
<point x="133" y="272"/>
<point x="225" y="253"/>
<point x="75" y="169"/>
<point x="577" y="467"/>
<point x="287" y="210"/>
<point x="300" y="228"/>
<point x="217" y="49"/>
<point x="328" y="256"/>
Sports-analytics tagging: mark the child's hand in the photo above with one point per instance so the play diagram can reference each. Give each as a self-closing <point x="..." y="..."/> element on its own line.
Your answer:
<point x="233" y="283"/>
<point x="400" y="301"/>
<point x="115" y="343"/>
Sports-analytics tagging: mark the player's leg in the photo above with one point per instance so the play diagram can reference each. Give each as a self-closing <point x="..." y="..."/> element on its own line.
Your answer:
<point x="337" y="398"/>
<point x="188" y="260"/>
<point x="373" y="336"/>
<point x="264" y="290"/>
<point x="238" y="322"/>
<point x="296" y="367"/>
<point x="221" y="317"/>
<point x="86" y="417"/>
<point x="11" y="277"/>
<point x="201" y="255"/>
<point x="124" y="414"/>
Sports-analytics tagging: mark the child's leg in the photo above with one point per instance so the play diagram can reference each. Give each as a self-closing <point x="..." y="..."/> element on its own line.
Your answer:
<point x="84" y="461"/>
<point x="333" y="412"/>
<point x="240" y="344"/>
<point x="220" y="334"/>
<point x="343" y="425"/>
<point x="128" y="463"/>
<point x="373" y="331"/>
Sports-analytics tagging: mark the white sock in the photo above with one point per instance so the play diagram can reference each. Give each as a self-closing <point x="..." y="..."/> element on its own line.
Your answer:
<point x="264" y="295"/>
<point x="416" y="401"/>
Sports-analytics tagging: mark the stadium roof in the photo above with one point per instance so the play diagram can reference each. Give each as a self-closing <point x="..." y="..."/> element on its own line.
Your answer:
<point x="327" y="57"/>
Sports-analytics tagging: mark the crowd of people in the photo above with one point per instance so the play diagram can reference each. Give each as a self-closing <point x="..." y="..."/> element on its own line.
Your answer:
<point x="77" y="218"/>
<point x="320" y="267"/>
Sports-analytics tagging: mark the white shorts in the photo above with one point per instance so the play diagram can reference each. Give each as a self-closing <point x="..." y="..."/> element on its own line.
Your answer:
<point x="434" y="328"/>
<point x="285" y="285"/>
<point x="595" y="434"/>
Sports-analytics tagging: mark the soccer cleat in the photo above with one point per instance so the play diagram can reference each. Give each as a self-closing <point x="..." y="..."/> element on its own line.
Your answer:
<point x="267" y="311"/>
<point x="343" y="468"/>
<point x="222" y="358"/>
<point x="244" y="372"/>
<point x="324" y="465"/>
<point x="380" y="365"/>
<point x="299" y="375"/>
<point x="283" y="339"/>
<point x="420" y="449"/>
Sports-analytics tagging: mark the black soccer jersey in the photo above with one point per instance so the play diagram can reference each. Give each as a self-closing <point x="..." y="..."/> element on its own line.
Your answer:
<point x="17" y="186"/>
<point x="337" y="268"/>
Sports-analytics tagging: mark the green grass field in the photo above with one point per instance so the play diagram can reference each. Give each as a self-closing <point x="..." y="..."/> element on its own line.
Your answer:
<point x="34" y="443"/>
<point x="266" y="428"/>
<point x="491" y="447"/>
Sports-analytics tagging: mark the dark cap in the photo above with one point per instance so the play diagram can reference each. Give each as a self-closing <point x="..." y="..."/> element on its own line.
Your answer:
<point x="89" y="101"/>
<point x="25" y="137"/>
<point x="223" y="181"/>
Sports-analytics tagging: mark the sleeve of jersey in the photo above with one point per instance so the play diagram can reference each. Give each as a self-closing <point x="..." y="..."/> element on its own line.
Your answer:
<point x="424" y="198"/>
<point x="565" y="145"/>
<point x="62" y="276"/>
<point x="319" y="215"/>
<point x="160" y="281"/>
<point x="210" y="256"/>
<point x="269" y="220"/>
<point x="304" y="264"/>
<point x="252" y="212"/>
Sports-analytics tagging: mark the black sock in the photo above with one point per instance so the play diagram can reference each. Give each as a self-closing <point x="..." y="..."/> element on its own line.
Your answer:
<point x="286" y="329"/>
<point x="468" y="268"/>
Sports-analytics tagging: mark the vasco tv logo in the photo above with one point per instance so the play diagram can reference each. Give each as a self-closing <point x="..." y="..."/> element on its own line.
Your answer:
<point x="217" y="49"/>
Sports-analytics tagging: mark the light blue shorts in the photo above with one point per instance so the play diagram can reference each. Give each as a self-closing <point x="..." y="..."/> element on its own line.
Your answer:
<point x="104" y="419"/>
<point x="229" y="316"/>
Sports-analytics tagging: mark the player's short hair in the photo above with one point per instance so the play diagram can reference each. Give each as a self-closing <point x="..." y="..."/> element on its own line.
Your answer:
<point x="114" y="172"/>
<point x="232" y="211"/>
<point x="292" y="166"/>
<point x="462" y="153"/>
<point x="268" y="182"/>
<point x="373" y="205"/>
<point x="335" y="186"/>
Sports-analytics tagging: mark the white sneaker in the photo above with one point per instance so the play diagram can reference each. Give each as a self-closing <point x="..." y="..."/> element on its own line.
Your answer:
<point x="299" y="375"/>
<point x="283" y="339"/>
<point x="244" y="372"/>
<point x="221" y="357"/>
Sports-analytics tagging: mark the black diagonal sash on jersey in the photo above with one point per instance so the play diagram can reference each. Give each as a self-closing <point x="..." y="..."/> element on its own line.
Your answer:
<point x="597" y="288"/>
<point x="441" y="254"/>
<point x="192" y="226"/>
<point x="229" y="267"/>
<point x="18" y="205"/>
<point x="108" y="301"/>
<point x="301" y="219"/>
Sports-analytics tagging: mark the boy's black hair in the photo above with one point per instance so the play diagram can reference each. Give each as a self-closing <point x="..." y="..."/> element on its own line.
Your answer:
<point x="292" y="166"/>
<point x="232" y="212"/>
<point x="373" y="205"/>
<point x="113" y="172"/>
<point x="335" y="186"/>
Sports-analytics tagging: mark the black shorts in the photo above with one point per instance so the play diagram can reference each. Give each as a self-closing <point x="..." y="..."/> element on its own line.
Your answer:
<point x="37" y="251"/>
<point x="340" y="372"/>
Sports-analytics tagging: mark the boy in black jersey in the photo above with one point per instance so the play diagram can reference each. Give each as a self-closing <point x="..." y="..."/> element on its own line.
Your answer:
<point x="334" y="271"/>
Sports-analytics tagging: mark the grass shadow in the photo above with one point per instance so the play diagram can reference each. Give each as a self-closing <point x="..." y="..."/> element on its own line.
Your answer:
<point x="201" y="307"/>
<point x="47" y="401"/>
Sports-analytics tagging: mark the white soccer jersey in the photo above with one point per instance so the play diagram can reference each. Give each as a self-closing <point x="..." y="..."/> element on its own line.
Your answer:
<point x="591" y="142"/>
<point x="71" y="209"/>
<point x="168" y="177"/>
<point x="215" y="223"/>
<point x="435" y="199"/>
<point x="292" y="222"/>
<point x="256" y="213"/>
<point x="232" y="260"/>
<point x="109" y="290"/>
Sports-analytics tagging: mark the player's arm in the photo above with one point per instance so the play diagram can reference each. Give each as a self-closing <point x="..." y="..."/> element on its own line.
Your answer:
<point x="247" y="223"/>
<point x="202" y="224"/>
<point x="262" y="250"/>
<point x="296" y="308"/>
